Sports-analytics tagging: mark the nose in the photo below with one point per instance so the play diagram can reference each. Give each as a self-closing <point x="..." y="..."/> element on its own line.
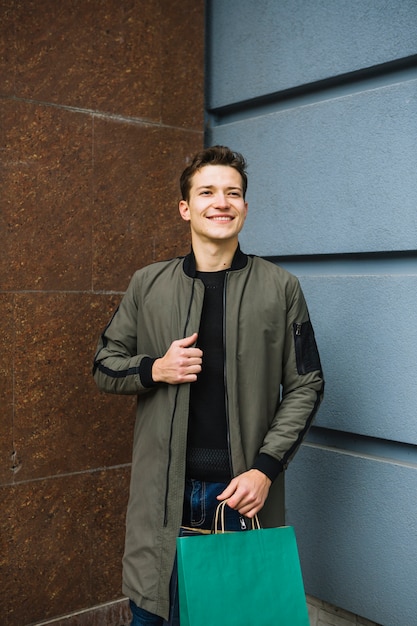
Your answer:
<point x="221" y="201"/>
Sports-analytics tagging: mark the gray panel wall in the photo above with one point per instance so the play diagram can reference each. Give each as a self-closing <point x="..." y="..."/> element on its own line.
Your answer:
<point x="321" y="97"/>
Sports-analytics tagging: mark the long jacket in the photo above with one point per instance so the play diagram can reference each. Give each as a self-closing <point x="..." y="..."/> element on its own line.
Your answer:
<point x="274" y="386"/>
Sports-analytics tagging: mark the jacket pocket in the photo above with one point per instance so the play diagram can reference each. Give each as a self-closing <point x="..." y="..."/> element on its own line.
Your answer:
<point x="306" y="352"/>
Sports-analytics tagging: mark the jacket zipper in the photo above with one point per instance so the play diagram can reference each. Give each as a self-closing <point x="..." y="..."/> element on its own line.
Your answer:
<point x="298" y="346"/>
<point x="226" y="397"/>
<point x="173" y="416"/>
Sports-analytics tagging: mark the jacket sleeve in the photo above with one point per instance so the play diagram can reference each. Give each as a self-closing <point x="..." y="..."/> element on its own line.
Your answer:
<point x="302" y="389"/>
<point x="117" y="366"/>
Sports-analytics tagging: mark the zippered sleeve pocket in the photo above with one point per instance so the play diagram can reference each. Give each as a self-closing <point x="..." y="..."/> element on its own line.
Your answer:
<point x="306" y="352"/>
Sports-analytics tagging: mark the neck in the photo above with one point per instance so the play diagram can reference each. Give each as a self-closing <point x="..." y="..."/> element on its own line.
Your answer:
<point x="214" y="257"/>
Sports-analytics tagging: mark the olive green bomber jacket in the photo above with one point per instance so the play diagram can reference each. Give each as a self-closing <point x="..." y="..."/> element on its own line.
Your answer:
<point x="274" y="386"/>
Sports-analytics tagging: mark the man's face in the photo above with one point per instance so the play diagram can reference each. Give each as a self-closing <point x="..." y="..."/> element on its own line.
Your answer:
<point x="216" y="208"/>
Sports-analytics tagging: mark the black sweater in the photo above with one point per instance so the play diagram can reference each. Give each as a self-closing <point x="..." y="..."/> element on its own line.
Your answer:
<point x="207" y="450"/>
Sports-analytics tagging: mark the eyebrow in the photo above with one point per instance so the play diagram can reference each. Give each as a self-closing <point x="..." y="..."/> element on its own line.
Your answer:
<point x="232" y="188"/>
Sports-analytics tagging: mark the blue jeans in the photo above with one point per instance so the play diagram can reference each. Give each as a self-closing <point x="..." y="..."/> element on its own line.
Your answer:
<point x="200" y="505"/>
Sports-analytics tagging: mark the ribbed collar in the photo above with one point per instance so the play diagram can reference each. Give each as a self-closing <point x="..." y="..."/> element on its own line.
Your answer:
<point x="239" y="261"/>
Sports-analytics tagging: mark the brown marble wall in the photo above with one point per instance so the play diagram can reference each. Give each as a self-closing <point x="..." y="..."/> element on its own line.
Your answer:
<point x="101" y="106"/>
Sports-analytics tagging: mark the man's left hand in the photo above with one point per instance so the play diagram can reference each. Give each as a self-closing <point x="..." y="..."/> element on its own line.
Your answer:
<point x="247" y="492"/>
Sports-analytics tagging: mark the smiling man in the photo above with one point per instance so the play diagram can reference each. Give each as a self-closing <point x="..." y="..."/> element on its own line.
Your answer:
<point x="216" y="209"/>
<point x="219" y="348"/>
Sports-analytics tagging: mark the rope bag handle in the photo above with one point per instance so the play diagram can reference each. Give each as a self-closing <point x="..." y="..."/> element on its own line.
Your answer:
<point x="219" y="520"/>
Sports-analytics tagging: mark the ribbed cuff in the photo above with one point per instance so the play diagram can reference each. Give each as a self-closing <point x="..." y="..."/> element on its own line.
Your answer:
<point x="268" y="466"/>
<point x="145" y="371"/>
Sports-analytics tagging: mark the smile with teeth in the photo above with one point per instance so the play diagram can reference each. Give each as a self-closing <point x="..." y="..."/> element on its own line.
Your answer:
<point x="221" y="218"/>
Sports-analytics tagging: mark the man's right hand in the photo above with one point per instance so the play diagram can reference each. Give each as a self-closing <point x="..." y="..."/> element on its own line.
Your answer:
<point x="180" y="364"/>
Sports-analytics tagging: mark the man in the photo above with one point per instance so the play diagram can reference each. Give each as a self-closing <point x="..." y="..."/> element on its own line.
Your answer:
<point x="219" y="348"/>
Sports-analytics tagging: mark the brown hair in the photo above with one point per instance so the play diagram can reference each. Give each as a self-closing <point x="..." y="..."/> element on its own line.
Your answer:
<point x="215" y="155"/>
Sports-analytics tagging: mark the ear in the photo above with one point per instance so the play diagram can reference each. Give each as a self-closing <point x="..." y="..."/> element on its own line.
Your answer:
<point x="184" y="210"/>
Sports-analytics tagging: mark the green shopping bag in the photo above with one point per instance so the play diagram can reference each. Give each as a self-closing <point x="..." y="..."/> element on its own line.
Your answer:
<point x="250" y="578"/>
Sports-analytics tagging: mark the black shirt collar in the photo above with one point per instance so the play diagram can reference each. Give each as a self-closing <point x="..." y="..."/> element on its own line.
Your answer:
<point x="239" y="261"/>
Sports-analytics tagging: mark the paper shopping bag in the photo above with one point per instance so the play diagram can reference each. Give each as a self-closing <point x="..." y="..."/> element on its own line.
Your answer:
<point x="249" y="578"/>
